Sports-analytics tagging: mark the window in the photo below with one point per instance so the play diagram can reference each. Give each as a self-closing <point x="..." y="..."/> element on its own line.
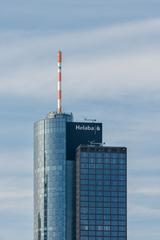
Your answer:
<point x="99" y="228"/>
<point x="99" y="165"/>
<point x="84" y="204"/>
<point x="122" y="194"/>
<point x="99" y="210"/>
<point x="91" y="217"/>
<point x="99" y="177"/>
<point x="107" y="228"/>
<point x="92" y="210"/>
<point x="84" y="171"/>
<point x="99" y="217"/>
<point x="99" y="171"/>
<point x="91" y="154"/>
<point x="84" y="154"/>
<point x="99" y="222"/>
<point x="84" y="227"/>
<point x="84" y="165"/>
<point x="122" y="177"/>
<point x="91" y="193"/>
<point x="114" y="161"/>
<point x="122" y="234"/>
<point x="107" y="160"/>
<point x="122" y="155"/>
<point x="84" y="193"/>
<point x="99" y="198"/>
<point x="91" y="187"/>
<point x="84" y="233"/>
<point x="84" y="238"/>
<point x="92" y="227"/>
<point x="91" y="160"/>
<point x="84" y="210"/>
<point x="91" y="176"/>
<point x="107" y="210"/>
<point x="92" y="182"/>
<point x="107" y="234"/>
<point x="114" y="210"/>
<point x="84" y="187"/>
<point x="92" y="204"/>
<point x="84" y="216"/>
<point x="84" y="181"/>
<point x="83" y="176"/>
<point x="91" y="165"/>
<point x="122" y="228"/>
<point x="99" y="188"/>
<point x="107" y="177"/>
<point x="83" y="198"/>
<point x="91" y="233"/>
<point x="92" y="171"/>
<point x="92" y="222"/>
<point x="107" y="154"/>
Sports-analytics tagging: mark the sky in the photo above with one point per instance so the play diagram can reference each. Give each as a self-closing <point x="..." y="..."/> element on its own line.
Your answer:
<point x="111" y="55"/>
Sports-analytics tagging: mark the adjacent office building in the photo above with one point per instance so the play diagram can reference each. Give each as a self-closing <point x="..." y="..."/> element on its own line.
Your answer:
<point x="80" y="186"/>
<point x="101" y="199"/>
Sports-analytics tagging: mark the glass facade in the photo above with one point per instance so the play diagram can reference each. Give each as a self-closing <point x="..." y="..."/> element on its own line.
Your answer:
<point x="83" y="198"/>
<point x="50" y="177"/>
<point x="101" y="193"/>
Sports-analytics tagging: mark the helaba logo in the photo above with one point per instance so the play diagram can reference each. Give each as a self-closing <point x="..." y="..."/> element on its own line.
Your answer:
<point x="87" y="128"/>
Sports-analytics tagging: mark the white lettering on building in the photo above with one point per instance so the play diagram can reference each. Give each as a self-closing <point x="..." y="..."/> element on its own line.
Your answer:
<point x="88" y="128"/>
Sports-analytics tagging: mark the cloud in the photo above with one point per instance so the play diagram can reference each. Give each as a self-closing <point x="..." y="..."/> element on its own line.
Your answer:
<point x="16" y="182"/>
<point x="114" y="74"/>
<point x="19" y="202"/>
<point x="14" y="195"/>
<point x="140" y="211"/>
<point x="147" y="191"/>
<point x="16" y="161"/>
<point x="92" y="61"/>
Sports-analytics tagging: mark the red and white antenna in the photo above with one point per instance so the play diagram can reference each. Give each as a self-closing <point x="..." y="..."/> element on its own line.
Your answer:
<point x="59" y="87"/>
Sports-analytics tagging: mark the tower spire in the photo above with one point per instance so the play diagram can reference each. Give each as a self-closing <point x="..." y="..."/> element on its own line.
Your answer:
<point x="59" y="87"/>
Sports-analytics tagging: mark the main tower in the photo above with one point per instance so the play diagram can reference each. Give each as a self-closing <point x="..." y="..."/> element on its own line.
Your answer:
<point x="56" y="138"/>
<point x="80" y="186"/>
<point x="49" y="177"/>
<point x="50" y="171"/>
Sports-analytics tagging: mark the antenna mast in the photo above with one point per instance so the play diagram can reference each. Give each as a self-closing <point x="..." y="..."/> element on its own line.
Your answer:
<point x="59" y="87"/>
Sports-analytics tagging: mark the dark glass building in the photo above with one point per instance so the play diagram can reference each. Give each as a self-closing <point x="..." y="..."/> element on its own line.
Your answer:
<point x="101" y="193"/>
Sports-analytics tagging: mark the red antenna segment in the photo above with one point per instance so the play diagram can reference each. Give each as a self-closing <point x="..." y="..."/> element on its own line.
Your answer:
<point x="59" y="86"/>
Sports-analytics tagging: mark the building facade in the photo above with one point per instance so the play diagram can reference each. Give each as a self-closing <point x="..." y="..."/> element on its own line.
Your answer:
<point x="101" y="193"/>
<point x="76" y="133"/>
<point x="50" y="177"/>
<point x="56" y="138"/>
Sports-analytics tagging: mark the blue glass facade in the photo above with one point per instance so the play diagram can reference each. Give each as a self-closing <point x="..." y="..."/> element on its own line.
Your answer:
<point x="78" y="195"/>
<point x="101" y="193"/>
<point x="50" y="169"/>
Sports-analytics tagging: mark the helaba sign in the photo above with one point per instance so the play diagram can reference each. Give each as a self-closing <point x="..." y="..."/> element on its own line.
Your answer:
<point x="87" y="127"/>
<point x="81" y="133"/>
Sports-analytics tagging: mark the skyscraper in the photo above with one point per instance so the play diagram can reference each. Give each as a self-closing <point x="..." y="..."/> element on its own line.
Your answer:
<point x="56" y="163"/>
<point x="101" y="197"/>
<point x="50" y="177"/>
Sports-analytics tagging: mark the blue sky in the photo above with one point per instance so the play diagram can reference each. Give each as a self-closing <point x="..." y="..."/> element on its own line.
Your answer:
<point x="111" y="72"/>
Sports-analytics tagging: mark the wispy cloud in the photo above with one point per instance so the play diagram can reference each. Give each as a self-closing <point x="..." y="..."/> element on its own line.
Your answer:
<point x="14" y="195"/>
<point x="140" y="211"/>
<point x="151" y="191"/>
<point x="133" y="67"/>
<point x="115" y="71"/>
<point x="16" y="182"/>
